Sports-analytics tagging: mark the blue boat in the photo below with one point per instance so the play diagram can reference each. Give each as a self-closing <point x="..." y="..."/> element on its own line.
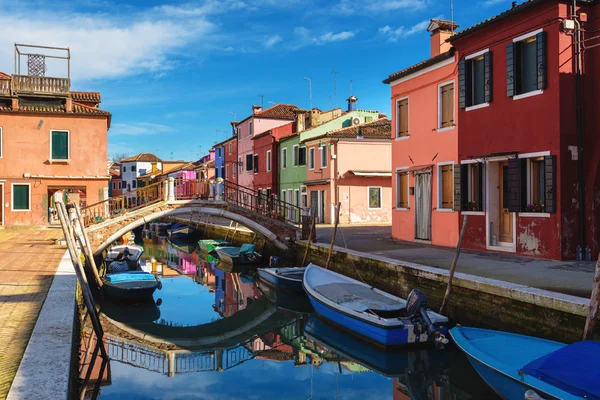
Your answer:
<point x="179" y="230"/>
<point x="283" y="278"/>
<point x="128" y="254"/>
<point x="513" y="364"/>
<point x="376" y="316"/>
<point x="134" y="286"/>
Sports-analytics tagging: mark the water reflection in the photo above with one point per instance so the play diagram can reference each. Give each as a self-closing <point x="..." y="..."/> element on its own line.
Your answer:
<point x="221" y="335"/>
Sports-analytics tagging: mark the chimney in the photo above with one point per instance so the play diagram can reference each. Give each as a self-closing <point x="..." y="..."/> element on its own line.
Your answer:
<point x="233" y="127"/>
<point x="352" y="103"/>
<point x="440" y="31"/>
<point x="256" y="109"/>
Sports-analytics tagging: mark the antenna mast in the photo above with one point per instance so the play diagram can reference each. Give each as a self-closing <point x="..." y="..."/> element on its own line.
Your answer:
<point x="334" y="72"/>
<point x="452" y="17"/>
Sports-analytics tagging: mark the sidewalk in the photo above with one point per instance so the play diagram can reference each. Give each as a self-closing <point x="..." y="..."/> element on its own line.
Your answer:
<point x="569" y="277"/>
<point x="28" y="261"/>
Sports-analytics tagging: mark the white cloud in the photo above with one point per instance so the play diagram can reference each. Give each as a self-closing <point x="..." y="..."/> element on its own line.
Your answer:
<point x="306" y="37"/>
<point x="139" y="128"/>
<point x="272" y="40"/>
<point x="403" y="32"/>
<point x="360" y="6"/>
<point x="207" y="8"/>
<point x="489" y="3"/>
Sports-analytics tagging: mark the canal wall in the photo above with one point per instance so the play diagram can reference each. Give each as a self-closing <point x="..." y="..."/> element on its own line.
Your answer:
<point x="475" y="301"/>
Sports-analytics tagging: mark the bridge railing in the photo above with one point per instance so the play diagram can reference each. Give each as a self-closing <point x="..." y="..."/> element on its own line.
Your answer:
<point x="118" y="205"/>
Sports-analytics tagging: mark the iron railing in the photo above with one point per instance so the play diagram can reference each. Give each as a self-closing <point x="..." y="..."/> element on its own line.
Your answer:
<point x="25" y="84"/>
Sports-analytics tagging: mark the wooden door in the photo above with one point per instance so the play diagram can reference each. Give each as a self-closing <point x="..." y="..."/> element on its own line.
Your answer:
<point x="505" y="217"/>
<point x="314" y="205"/>
<point x="423" y="206"/>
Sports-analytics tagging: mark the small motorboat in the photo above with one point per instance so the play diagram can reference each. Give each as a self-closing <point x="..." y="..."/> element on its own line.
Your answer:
<point x="514" y="364"/>
<point x="134" y="286"/>
<point x="179" y="230"/>
<point x="244" y="255"/>
<point x="130" y="254"/>
<point x="283" y="278"/>
<point x="210" y="245"/>
<point x="373" y="314"/>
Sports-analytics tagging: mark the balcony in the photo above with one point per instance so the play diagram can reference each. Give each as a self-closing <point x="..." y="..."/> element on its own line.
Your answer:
<point x="4" y="87"/>
<point x="39" y="85"/>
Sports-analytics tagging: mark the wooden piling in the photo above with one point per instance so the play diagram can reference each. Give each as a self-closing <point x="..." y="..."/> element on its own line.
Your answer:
<point x="337" y="221"/>
<point x="453" y="266"/>
<point x="310" y="235"/>
<point x="590" y="322"/>
<point x="87" y="247"/>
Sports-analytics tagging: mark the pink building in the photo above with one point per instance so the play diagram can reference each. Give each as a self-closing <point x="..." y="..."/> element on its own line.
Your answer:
<point x="258" y="122"/>
<point x="351" y="166"/>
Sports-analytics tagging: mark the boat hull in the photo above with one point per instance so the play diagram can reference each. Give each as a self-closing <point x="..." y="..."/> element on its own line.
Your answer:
<point x="237" y="260"/>
<point x="293" y="301"/>
<point x="117" y="292"/>
<point x="280" y="282"/>
<point x="208" y="246"/>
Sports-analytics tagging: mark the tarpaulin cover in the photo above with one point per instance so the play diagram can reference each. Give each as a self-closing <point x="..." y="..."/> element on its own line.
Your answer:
<point x="247" y="248"/>
<point x="574" y="369"/>
<point x="128" y="276"/>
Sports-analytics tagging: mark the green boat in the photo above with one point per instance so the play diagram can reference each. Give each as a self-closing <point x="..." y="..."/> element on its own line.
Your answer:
<point x="210" y="245"/>
<point x="244" y="255"/>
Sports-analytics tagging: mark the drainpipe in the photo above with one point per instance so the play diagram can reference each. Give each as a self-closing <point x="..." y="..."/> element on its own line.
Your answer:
<point x="578" y="101"/>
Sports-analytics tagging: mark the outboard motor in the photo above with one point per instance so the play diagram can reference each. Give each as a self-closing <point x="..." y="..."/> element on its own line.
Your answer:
<point x="416" y="305"/>
<point x="274" y="262"/>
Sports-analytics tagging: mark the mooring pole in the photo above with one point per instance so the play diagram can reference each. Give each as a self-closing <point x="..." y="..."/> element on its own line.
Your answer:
<point x="89" y="254"/>
<point x="453" y="266"/>
<point x="310" y="235"/>
<point x="590" y="322"/>
<point x="337" y="221"/>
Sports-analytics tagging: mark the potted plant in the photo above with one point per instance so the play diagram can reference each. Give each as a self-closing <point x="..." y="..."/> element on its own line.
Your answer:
<point x="471" y="206"/>
<point x="533" y="207"/>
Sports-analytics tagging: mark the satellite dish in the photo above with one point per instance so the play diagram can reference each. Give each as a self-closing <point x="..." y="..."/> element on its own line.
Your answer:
<point x="356" y="121"/>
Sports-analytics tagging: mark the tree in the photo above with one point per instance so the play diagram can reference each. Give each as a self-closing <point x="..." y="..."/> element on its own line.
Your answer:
<point x="116" y="158"/>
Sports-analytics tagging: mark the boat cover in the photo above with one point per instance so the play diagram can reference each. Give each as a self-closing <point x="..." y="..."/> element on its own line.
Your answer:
<point x="357" y="297"/>
<point x="574" y="369"/>
<point x="127" y="276"/>
<point x="247" y="248"/>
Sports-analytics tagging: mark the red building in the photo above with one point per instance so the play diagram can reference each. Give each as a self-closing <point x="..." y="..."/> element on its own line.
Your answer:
<point x="518" y="158"/>
<point x="265" y="151"/>
<point x="231" y="159"/>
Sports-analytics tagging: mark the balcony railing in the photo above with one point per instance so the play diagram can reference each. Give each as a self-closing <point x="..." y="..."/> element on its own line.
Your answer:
<point x="4" y="87"/>
<point x="25" y="84"/>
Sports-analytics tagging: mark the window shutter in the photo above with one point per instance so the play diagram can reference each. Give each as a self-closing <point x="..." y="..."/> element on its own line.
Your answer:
<point x="510" y="70"/>
<point x="60" y="149"/>
<point x="488" y="76"/>
<point x="462" y="89"/>
<point x="459" y="192"/>
<point x="540" y="39"/>
<point x="550" y="184"/>
<point x="480" y="185"/>
<point x="255" y="163"/>
<point x="515" y="184"/>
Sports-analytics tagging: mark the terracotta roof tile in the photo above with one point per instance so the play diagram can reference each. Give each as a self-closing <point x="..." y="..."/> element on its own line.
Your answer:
<point x="378" y="129"/>
<point x="83" y="109"/>
<point x="92" y="97"/>
<point x="291" y="135"/>
<point x="148" y="157"/>
<point x="4" y="76"/>
<point x="284" y="111"/>
<point x="419" y="66"/>
<point x="442" y="24"/>
<point x="58" y="109"/>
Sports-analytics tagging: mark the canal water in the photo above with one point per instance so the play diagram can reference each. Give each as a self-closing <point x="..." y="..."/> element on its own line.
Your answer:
<point x="240" y="339"/>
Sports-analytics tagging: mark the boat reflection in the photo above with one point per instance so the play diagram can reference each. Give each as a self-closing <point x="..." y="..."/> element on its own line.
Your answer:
<point x="288" y="300"/>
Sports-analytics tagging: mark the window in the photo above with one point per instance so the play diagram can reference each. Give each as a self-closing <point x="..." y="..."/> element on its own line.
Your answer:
<point x="302" y="156"/>
<point x="124" y="169"/>
<point x="21" y="197"/>
<point x="296" y="197"/>
<point x="368" y="119"/>
<point x="536" y="188"/>
<point x="446" y="106"/>
<point x="402" y="190"/>
<point x="59" y="144"/>
<point x="114" y="185"/>
<point x="249" y="159"/>
<point x="250" y="129"/>
<point x="295" y="155"/>
<point x="255" y="163"/>
<point x="227" y="172"/>
<point x="446" y="194"/>
<point x="283" y="158"/>
<point x="120" y="186"/>
<point x="526" y="64"/>
<point x="311" y="158"/>
<point x="303" y="196"/>
<point x="323" y="156"/>
<point x="402" y="117"/>
<point x="475" y="79"/>
<point x="268" y="160"/>
<point x="374" y="197"/>
<point x="220" y="150"/>
<point x="230" y="148"/>
<point x="133" y="168"/>
<point x="240" y="164"/>
<point x="134" y="184"/>
<point x="283" y="195"/>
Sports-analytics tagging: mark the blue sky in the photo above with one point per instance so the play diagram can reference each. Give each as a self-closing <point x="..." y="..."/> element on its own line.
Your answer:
<point x="171" y="72"/>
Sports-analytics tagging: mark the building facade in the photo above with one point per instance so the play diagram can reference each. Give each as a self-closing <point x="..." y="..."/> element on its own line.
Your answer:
<point x="140" y="165"/>
<point x="230" y="159"/>
<point x="425" y="142"/>
<point x="265" y="147"/>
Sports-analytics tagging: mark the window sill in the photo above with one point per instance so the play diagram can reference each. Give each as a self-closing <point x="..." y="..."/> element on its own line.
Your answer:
<point x="482" y="105"/>
<point x="60" y="161"/>
<point x="20" y="210"/>
<point x="448" y="128"/>
<point x="402" y="209"/>
<point x="446" y="210"/>
<point x="402" y="137"/>
<point x="473" y="212"/>
<point x="534" y="214"/>
<point x="528" y="94"/>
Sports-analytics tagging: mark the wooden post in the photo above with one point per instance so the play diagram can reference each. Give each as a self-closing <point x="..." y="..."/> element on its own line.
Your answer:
<point x="337" y="221"/>
<point x="310" y="235"/>
<point x="453" y="266"/>
<point x="590" y="322"/>
<point x="87" y="247"/>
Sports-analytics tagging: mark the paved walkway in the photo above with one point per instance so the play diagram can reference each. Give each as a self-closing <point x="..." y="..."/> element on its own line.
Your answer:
<point x="567" y="277"/>
<point x="28" y="261"/>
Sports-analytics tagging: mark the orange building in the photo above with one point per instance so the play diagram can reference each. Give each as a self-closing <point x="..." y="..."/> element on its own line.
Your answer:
<point x="425" y="145"/>
<point x="53" y="142"/>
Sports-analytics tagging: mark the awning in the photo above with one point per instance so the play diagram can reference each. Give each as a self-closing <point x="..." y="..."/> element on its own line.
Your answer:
<point x="507" y="154"/>
<point x="317" y="182"/>
<point x="372" y="173"/>
<point x="417" y="168"/>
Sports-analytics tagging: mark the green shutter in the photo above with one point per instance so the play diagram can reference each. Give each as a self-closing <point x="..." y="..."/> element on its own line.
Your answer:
<point x="20" y="197"/>
<point x="60" y="145"/>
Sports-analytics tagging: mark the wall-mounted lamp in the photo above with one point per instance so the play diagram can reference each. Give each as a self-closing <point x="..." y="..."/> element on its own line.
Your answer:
<point x="320" y="144"/>
<point x="40" y="124"/>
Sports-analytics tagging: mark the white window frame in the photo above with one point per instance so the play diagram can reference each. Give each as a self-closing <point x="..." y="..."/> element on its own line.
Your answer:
<point x="520" y="39"/>
<point x="311" y="158"/>
<point x="380" y="197"/>
<point x="324" y="161"/>
<point x="230" y="148"/>
<point x="119" y="185"/>
<point x="12" y="196"/>
<point x="402" y="170"/>
<point x="283" y="158"/>
<point x="114" y="186"/>
<point x="439" y="124"/>
<point x="304" y="196"/>
<point x="268" y="161"/>
<point x="440" y="185"/>
<point x="295" y="155"/>
<point x="397" y="119"/>
<point x="470" y="57"/>
<point x="68" y="146"/>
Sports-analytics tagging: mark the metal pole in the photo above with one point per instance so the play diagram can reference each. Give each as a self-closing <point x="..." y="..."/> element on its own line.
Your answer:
<point x="580" y="181"/>
<point x="334" y="72"/>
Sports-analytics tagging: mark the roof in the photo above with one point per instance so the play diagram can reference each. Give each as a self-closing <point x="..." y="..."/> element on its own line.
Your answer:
<point x="92" y="97"/>
<point x="441" y="24"/>
<point x="419" y="66"/>
<point x="57" y="109"/>
<point x="4" y="76"/>
<point x="278" y="111"/>
<point x="142" y="157"/>
<point x="291" y="135"/>
<point x="372" y="173"/>
<point x="225" y="141"/>
<point x="378" y="129"/>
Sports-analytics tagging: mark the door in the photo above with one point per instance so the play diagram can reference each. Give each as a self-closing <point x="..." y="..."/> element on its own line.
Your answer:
<point x="1" y="204"/>
<point x="322" y="206"/>
<point x="505" y="217"/>
<point x="423" y="206"/>
<point x="314" y="204"/>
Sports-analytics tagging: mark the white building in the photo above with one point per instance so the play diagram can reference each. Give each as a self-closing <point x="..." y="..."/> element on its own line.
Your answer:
<point x="133" y="167"/>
